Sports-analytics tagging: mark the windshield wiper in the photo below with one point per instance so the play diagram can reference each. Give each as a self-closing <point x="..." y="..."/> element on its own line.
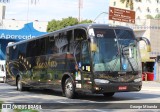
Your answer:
<point x="120" y="52"/>
<point x="127" y="58"/>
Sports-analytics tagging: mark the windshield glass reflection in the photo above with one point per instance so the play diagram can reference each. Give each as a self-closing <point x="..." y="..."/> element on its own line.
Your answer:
<point x="116" y="51"/>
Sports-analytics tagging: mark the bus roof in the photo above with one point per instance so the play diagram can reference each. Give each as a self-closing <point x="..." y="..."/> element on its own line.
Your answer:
<point x="85" y="26"/>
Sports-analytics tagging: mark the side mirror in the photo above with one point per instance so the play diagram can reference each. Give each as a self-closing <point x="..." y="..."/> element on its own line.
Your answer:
<point x="148" y="44"/>
<point x="148" y="48"/>
<point x="93" y="47"/>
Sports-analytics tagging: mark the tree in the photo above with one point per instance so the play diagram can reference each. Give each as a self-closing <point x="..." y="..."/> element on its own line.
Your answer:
<point x="59" y="24"/>
<point x="149" y="17"/>
<point x="86" y="21"/>
<point x="157" y="16"/>
<point x="128" y="3"/>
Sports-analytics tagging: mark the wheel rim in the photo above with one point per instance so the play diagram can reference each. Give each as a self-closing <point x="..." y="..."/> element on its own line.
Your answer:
<point x="19" y="85"/>
<point x="69" y="88"/>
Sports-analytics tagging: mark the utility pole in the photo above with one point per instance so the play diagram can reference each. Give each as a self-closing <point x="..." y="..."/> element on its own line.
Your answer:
<point x="80" y="4"/>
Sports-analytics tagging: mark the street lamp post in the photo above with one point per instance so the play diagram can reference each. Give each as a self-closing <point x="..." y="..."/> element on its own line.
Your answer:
<point x="99" y="15"/>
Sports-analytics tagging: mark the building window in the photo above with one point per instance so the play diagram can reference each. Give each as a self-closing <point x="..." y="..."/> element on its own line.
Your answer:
<point x="148" y="10"/>
<point x="138" y="17"/>
<point x="157" y="1"/>
<point x="157" y="10"/>
<point x="138" y="0"/>
<point x="138" y="8"/>
<point x="114" y="4"/>
<point x="148" y="1"/>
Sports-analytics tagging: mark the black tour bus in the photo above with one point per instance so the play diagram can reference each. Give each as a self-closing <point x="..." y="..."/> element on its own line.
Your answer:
<point x="94" y="58"/>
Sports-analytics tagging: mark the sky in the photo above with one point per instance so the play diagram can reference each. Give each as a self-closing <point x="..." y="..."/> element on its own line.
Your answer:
<point x="46" y="10"/>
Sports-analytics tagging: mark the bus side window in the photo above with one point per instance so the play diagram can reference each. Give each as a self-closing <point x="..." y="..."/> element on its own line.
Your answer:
<point x="22" y="50"/>
<point x="70" y="41"/>
<point x="77" y="52"/>
<point x="85" y="53"/>
<point x="14" y="50"/>
<point x="51" y="47"/>
<point x="31" y="49"/>
<point x="62" y="42"/>
<point x="80" y="34"/>
<point x="41" y="46"/>
<point x="10" y="53"/>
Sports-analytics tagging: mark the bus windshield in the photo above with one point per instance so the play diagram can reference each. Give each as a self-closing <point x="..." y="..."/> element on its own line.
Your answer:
<point x="116" y="51"/>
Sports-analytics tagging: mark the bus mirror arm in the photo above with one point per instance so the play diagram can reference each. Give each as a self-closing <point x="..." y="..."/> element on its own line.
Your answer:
<point x="77" y="68"/>
<point x="146" y="41"/>
<point x="80" y="69"/>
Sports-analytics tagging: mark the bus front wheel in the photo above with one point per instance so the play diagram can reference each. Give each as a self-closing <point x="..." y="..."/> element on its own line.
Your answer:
<point x="108" y="94"/>
<point x="69" y="89"/>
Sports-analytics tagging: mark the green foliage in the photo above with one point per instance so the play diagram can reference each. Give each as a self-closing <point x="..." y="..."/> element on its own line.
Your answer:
<point x="0" y="105"/>
<point x="157" y="16"/>
<point x="59" y="24"/>
<point x="128" y="3"/>
<point x="86" y="21"/>
<point x="123" y="1"/>
<point x="149" y="17"/>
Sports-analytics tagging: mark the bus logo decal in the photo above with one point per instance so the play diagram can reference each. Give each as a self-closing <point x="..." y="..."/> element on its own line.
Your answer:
<point x="46" y="64"/>
<point x="124" y="66"/>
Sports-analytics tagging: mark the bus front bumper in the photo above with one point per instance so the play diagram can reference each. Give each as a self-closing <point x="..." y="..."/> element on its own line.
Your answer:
<point x="117" y="87"/>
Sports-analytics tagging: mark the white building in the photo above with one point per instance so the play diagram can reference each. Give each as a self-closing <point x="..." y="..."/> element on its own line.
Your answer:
<point x="141" y="7"/>
<point x="2" y="11"/>
<point x="18" y="24"/>
<point x="143" y="26"/>
<point x="23" y="28"/>
<point x="146" y="25"/>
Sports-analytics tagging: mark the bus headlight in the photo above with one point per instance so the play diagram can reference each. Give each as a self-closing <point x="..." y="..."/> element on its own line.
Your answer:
<point x="138" y="80"/>
<point x="101" y="81"/>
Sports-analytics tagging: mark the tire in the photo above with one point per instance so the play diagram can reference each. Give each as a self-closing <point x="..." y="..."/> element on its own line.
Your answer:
<point x="108" y="94"/>
<point x="19" y="84"/>
<point x="69" y="89"/>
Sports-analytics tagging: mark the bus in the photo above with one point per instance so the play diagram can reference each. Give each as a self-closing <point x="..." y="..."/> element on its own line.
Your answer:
<point x="92" y="58"/>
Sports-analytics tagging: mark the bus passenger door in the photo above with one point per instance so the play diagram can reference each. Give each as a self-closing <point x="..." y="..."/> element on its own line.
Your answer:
<point x="83" y="75"/>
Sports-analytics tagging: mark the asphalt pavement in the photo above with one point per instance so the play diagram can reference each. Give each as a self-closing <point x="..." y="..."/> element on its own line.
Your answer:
<point x="151" y="85"/>
<point x="150" y="93"/>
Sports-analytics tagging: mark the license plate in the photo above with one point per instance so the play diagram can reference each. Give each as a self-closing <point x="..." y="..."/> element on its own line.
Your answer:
<point x="122" y="88"/>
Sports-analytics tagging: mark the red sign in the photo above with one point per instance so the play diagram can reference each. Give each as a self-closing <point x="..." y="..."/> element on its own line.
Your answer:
<point x="122" y="88"/>
<point x="117" y="14"/>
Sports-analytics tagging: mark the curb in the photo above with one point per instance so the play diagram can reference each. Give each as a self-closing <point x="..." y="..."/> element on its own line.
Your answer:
<point x="151" y="88"/>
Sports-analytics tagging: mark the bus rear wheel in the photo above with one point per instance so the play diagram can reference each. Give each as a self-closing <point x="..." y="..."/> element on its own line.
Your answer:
<point x="69" y="89"/>
<point x="110" y="94"/>
<point x="19" y="84"/>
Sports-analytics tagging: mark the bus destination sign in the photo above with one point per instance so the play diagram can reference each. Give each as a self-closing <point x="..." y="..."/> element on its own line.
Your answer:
<point x="122" y="15"/>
